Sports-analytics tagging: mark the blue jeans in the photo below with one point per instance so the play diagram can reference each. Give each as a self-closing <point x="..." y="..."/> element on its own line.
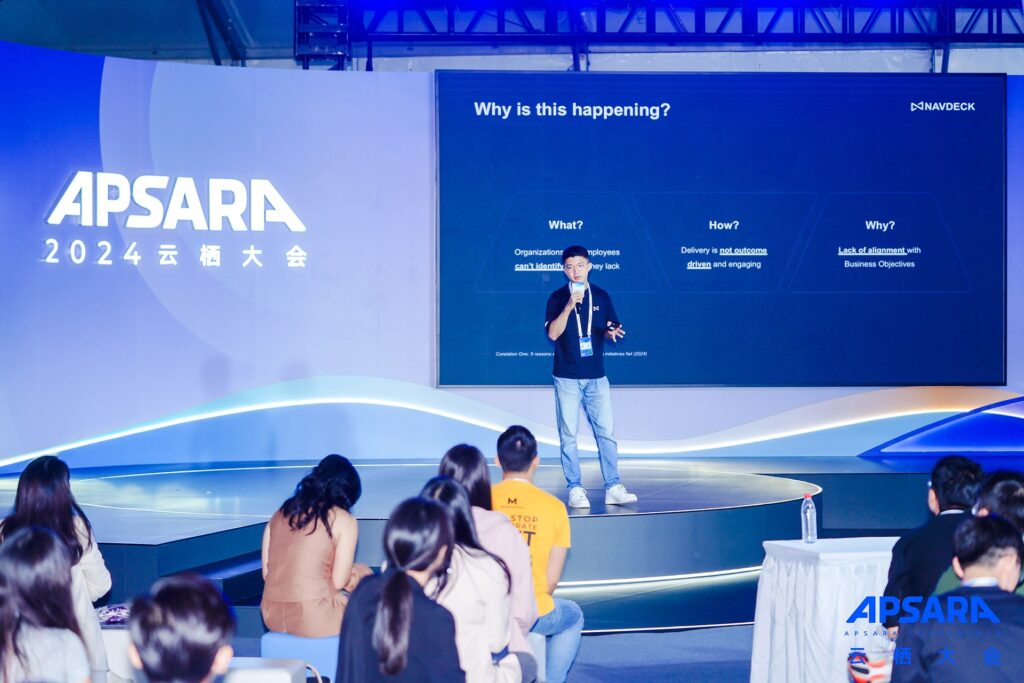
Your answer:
<point x="596" y="398"/>
<point x="563" y="627"/>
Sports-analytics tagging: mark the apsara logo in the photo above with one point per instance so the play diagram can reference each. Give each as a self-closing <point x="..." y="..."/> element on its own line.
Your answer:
<point x="942" y="609"/>
<point x="93" y="197"/>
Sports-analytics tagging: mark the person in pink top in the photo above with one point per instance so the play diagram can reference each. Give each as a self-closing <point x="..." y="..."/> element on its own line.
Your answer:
<point x="477" y="595"/>
<point x="467" y="465"/>
<point x="309" y="548"/>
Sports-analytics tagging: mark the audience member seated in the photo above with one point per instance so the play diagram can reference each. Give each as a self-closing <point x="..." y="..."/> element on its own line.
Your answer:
<point x="467" y="465"/>
<point x="920" y="556"/>
<point x="477" y="595"/>
<point x="309" y="549"/>
<point x="544" y="523"/>
<point x="393" y="631"/>
<point x="181" y="632"/>
<point x="44" y="498"/>
<point x="1002" y="495"/>
<point x="40" y="639"/>
<point x="988" y="553"/>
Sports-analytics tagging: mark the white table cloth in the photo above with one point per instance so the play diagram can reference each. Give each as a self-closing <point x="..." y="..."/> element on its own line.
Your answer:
<point x="116" y="640"/>
<point x="805" y="594"/>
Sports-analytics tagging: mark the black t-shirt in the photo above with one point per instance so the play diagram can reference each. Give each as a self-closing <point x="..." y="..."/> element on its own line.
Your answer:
<point x="568" y="362"/>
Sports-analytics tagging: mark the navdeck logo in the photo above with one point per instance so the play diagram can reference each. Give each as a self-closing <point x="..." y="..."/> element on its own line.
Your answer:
<point x="941" y="609"/>
<point x="942" y="106"/>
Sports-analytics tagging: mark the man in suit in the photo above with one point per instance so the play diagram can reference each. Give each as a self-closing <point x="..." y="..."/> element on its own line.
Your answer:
<point x="987" y="648"/>
<point x="921" y="555"/>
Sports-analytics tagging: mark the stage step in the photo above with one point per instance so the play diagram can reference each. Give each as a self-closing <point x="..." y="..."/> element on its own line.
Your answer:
<point x="240" y="579"/>
<point x="249" y="620"/>
<point x="667" y="605"/>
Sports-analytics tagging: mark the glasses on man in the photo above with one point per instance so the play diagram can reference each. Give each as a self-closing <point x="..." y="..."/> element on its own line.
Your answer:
<point x="578" y="267"/>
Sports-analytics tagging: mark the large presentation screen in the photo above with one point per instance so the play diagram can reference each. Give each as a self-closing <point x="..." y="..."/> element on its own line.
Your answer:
<point x="751" y="229"/>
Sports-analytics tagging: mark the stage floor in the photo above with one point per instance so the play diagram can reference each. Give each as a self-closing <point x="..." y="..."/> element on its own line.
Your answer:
<point x="150" y="505"/>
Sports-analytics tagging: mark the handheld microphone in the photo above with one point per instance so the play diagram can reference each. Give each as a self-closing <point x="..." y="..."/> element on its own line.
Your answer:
<point x="577" y="287"/>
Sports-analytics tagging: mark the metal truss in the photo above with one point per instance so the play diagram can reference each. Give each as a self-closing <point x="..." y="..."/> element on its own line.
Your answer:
<point x="322" y="32"/>
<point x="676" y="21"/>
<point x="581" y="24"/>
<point x="219" y="21"/>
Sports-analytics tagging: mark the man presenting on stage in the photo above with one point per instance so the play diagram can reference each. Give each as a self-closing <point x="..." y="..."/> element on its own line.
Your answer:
<point x="579" y="317"/>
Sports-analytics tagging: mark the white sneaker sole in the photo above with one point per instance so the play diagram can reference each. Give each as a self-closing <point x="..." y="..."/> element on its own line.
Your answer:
<point x="631" y="499"/>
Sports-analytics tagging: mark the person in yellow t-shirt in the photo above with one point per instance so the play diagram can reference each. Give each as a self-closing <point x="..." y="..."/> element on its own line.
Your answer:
<point x="544" y="523"/>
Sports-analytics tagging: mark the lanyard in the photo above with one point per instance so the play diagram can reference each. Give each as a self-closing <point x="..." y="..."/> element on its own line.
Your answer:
<point x="590" y="313"/>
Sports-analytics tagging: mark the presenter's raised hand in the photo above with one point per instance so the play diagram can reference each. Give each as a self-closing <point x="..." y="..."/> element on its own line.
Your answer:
<point x="575" y="299"/>
<point x="615" y="333"/>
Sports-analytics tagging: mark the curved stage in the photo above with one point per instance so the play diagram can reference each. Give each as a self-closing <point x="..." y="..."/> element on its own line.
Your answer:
<point x="694" y="536"/>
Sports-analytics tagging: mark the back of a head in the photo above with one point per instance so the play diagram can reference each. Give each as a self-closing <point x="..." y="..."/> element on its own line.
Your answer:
<point x="35" y="581"/>
<point x="450" y="494"/>
<point x="333" y="483"/>
<point x="44" y="499"/>
<point x="418" y="531"/>
<point x="516" y="449"/>
<point x="455" y="500"/>
<point x="956" y="481"/>
<point x="467" y="465"/>
<point x="181" y="630"/>
<point x="984" y="540"/>
<point x="1003" y="496"/>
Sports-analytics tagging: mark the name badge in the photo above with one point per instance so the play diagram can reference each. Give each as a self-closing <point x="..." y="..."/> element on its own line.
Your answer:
<point x="586" y="347"/>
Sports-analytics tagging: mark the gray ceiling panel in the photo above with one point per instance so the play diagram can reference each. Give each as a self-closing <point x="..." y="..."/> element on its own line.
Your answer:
<point x="160" y="29"/>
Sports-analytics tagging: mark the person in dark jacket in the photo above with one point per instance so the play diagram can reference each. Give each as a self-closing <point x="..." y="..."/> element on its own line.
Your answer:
<point x="1002" y="495"/>
<point x="983" y="643"/>
<point x="921" y="556"/>
<point x="392" y="630"/>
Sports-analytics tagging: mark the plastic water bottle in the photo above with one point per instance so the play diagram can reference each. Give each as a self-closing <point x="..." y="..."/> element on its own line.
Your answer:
<point x="808" y="520"/>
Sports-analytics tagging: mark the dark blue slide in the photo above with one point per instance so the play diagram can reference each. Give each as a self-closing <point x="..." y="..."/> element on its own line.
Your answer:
<point x="752" y="229"/>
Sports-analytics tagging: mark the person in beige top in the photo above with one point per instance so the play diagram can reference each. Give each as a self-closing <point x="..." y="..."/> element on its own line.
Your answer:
<point x="44" y="499"/>
<point x="309" y="548"/>
<point x="477" y="595"/>
<point x="467" y="465"/>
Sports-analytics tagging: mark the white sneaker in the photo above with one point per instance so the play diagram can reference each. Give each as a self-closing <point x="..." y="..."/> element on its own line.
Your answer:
<point x="618" y="495"/>
<point x="578" y="497"/>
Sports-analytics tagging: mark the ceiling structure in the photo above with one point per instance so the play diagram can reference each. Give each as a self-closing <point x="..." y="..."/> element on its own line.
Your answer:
<point x="330" y="32"/>
<point x="229" y="31"/>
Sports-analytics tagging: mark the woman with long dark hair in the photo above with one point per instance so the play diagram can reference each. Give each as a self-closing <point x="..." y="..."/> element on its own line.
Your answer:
<point x="39" y="635"/>
<point x="477" y="595"/>
<point x="309" y="549"/>
<point x="467" y="465"/>
<point x="44" y="499"/>
<point x="393" y="631"/>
